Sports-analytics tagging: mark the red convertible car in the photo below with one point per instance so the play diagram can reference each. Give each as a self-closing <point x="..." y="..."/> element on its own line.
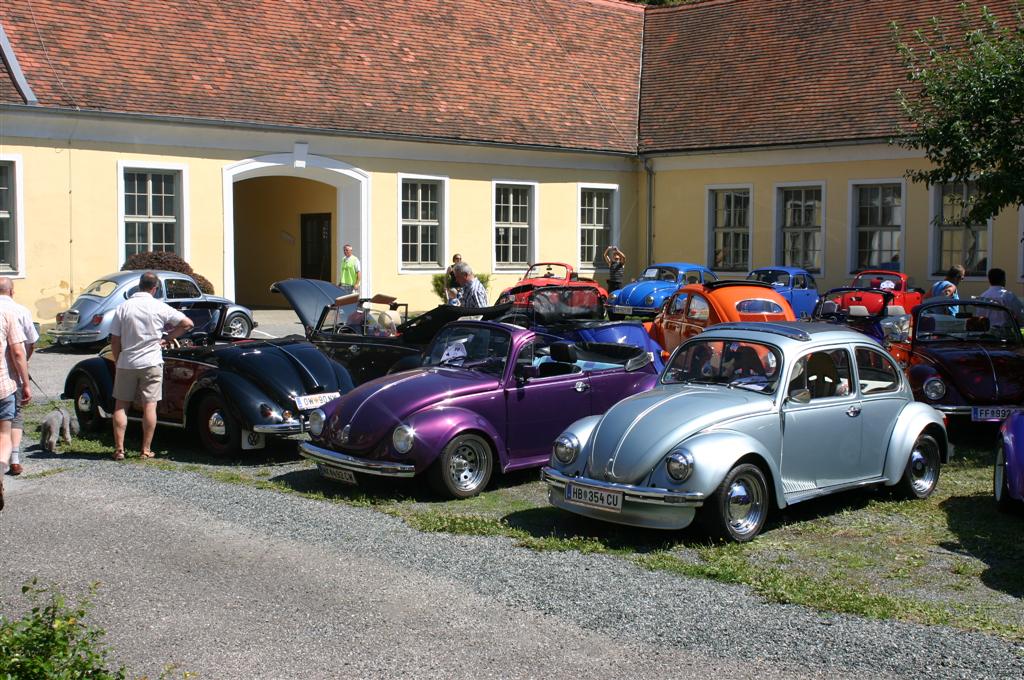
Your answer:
<point x="896" y="283"/>
<point x="551" y="274"/>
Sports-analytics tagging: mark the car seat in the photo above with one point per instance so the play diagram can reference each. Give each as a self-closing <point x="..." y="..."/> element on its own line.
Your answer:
<point x="977" y="324"/>
<point x="857" y="310"/>
<point x="747" y="362"/>
<point x="925" y="324"/>
<point x="875" y="282"/>
<point x="822" y="376"/>
<point x="564" y="355"/>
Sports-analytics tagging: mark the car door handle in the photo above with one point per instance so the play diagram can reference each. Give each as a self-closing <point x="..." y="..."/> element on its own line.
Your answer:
<point x="853" y="411"/>
<point x="581" y="386"/>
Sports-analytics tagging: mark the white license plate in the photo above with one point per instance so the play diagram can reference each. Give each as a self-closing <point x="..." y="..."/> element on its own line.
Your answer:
<point x="594" y="498"/>
<point x="621" y="309"/>
<point x="309" y="401"/>
<point x="253" y="440"/>
<point x="991" y="413"/>
<point x="338" y="474"/>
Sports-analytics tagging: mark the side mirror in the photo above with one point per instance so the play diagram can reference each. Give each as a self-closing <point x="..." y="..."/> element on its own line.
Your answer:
<point x="800" y="396"/>
<point x="526" y="372"/>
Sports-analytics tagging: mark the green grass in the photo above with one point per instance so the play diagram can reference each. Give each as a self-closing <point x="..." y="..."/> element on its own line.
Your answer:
<point x="951" y="559"/>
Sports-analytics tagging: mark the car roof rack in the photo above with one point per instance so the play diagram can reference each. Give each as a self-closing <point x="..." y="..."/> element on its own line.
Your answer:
<point x="725" y="283"/>
<point x="790" y="332"/>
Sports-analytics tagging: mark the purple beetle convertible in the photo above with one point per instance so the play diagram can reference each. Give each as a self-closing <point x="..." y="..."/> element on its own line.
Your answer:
<point x="488" y="394"/>
<point x="1008" y="479"/>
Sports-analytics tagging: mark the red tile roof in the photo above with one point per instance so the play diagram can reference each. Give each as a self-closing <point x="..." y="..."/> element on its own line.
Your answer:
<point x="546" y="73"/>
<point x="741" y="73"/>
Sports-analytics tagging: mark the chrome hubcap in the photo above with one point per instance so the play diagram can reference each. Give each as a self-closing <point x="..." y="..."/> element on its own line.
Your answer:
<point x="236" y="328"/>
<point x="745" y="505"/>
<point x="923" y="467"/>
<point x="216" y="424"/>
<point x="84" y="401"/>
<point x="468" y="466"/>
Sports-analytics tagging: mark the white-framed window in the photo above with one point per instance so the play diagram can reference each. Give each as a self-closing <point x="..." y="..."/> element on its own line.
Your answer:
<point x="153" y="208"/>
<point x="515" y="224"/>
<point x="9" y="207"/>
<point x="729" y="224"/>
<point x="598" y="224"/>
<point x="422" y="228"/>
<point x="955" y="240"/>
<point x="800" y="218"/>
<point x="877" y="219"/>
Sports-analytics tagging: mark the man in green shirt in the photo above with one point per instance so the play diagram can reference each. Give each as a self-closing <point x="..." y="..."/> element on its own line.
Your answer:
<point x="350" y="272"/>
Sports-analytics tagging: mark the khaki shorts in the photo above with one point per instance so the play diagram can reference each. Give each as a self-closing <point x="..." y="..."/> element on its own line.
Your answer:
<point x="139" y="384"/>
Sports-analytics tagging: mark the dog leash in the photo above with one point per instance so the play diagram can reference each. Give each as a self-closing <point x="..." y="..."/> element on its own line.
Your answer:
<point x="39" y="387"/>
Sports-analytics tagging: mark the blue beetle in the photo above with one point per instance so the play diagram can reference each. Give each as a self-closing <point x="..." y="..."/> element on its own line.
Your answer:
<point x="645" y="295"/>
<point x="793" y="283"/>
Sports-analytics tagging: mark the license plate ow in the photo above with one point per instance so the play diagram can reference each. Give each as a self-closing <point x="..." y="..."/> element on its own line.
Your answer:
<point x="594" y="498"/>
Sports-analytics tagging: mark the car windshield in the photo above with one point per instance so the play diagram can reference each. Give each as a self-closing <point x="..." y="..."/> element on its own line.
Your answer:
<point x="204" y="319"/>
<point x="659" y="274"/>
<point x="101" y="288"/>
<point x="547" y="271"/>
<point x="878" y="281"/>
<point x="775" y="277"/>
<point x="734" y="363"/>
<point x="966" y="321"/>
<point x="478" y="348"/>
<point x="364" y="320"/>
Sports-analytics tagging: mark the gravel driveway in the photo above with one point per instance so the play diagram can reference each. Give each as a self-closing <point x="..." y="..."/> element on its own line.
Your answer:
<point x="231" y="581"/>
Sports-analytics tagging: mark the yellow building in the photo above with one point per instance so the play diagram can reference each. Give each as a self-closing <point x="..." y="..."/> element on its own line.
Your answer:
<point x="256" y="144"/>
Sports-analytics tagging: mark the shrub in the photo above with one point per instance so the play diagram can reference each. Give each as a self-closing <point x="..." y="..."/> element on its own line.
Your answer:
<point x="437" y="282"/>
<point x="51" y="641"/>
<point x="168" y="262"/>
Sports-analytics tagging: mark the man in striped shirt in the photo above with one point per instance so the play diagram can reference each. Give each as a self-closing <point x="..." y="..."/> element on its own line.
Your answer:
<point x="12" y="340"/>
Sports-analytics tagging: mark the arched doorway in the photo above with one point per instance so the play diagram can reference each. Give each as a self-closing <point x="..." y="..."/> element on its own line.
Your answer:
<point x="299" y="185"/>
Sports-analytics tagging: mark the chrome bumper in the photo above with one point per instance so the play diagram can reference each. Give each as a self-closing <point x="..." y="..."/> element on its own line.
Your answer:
<point x="953" y="410"/>
<point x="637" y="494"/>
<point x="343" y="461"/>
<point x="287" y="427"/>
<point x="65" y="337"/>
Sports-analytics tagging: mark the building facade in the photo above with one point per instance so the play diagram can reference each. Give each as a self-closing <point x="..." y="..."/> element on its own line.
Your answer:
<point x="507" y="132"/>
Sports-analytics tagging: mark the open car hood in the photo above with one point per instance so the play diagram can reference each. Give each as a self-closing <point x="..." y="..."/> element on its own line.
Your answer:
<point x="422" y="329"/>
<point x="308" y="297"/>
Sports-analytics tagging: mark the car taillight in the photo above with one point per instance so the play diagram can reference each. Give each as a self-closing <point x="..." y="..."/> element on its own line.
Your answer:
<point x="97" y="319"/>
<point x="60" y="317"/>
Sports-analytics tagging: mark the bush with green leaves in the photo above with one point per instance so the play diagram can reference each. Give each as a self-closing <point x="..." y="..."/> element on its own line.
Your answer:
<point x="437" y="282"/>
<point x="168" y="262"/>
<point x="52" y="640"/>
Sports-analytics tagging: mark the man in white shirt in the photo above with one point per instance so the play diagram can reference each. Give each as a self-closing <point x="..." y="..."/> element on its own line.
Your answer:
<point x="997" y="292"/>
<point x="23" y="317"/>
<point x="137" y="336"/>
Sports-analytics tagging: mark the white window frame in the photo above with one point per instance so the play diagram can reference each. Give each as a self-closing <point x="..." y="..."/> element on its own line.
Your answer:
<point x="709" y="223"/>
<point x="778" y="209"/>
<point x="852" y="217"/>
<point x="614" y="214"/>
<point x="443" y="214"/>
<point x="534" y="225"/>
<point x="18" y="213"/>
<point x="183" y="220"/>
<point x="934" y="211"/>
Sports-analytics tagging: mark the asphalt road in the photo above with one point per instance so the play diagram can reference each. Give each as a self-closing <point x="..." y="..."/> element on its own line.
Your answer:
<point x="230" y="581"/>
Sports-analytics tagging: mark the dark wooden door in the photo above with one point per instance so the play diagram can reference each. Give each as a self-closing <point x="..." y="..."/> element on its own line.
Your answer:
<point x="316" y="246"/>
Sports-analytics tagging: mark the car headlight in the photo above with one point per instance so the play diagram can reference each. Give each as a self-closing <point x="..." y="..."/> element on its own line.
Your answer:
<point x="402" y="438"/>
<point x="614" y="295"/>
<point x="316" y="422"/>
<point x="934" y="388"/>
<point x="679" y="465"/>
<point x="649" y="300"/>
<point x="566" y="448"/>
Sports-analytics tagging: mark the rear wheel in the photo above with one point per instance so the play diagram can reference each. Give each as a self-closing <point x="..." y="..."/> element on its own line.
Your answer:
<point x="218" y="431"/>
<point x="1000" y="482"/>
<point x="921" y="475"/>
<point x="464" y="467"/>
<point x="237" y="325"/>
<point x="87" y="404"/>
<point x="737" y="509"/>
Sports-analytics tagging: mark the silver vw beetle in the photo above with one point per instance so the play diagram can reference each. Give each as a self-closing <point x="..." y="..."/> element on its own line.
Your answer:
<point x="747" y="417"/>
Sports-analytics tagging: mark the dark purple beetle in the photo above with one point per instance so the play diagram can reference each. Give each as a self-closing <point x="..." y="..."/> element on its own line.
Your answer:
<point x="488" y="395"/>
<point x="1008" y="477"/>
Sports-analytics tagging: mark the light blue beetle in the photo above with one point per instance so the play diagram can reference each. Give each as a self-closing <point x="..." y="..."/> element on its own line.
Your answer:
<point x="747" y="417"/>
<point x="645" y="295"/>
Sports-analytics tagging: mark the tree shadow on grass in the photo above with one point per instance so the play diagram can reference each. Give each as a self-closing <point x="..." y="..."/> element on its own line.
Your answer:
<point x="990" y="536"/>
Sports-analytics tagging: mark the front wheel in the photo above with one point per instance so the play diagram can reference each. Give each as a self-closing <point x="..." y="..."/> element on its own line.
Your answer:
<point x="1000" y="482"/>
<point x="87" y="405"/>
<point x="218" y="431"/>
<point x="237" y="325"/>
<point x="464" y="467"/>
<point x="921" y="475"/>
<point x="737" y="509"/>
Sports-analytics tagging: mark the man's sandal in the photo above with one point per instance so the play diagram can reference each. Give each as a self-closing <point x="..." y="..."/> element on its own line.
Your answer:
<point x="119" y="454"/>
<point x="147" y="454"/>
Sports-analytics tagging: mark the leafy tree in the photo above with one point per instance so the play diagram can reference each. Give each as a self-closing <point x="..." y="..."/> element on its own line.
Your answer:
<point x="157" y="259"/>
<point x="966" y="106"/>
